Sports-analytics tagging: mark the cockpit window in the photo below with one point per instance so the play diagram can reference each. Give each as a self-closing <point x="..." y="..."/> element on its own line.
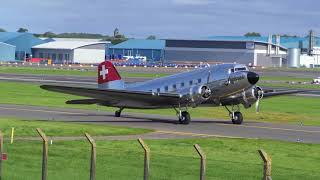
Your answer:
<point x="237" y="69"/>
<point x="240" y="69"/>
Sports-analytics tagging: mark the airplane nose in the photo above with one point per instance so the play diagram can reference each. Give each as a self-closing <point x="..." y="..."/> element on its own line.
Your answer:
<point x="252" y="77"/>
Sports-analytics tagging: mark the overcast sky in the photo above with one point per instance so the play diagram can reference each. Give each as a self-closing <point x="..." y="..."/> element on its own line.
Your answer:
<point x="163" y="18"/>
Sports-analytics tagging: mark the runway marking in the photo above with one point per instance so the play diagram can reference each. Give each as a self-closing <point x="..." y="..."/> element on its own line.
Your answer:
<point x="273" y="128"/>
<point x="39" y="110"/>
<point x="202" y="135"/>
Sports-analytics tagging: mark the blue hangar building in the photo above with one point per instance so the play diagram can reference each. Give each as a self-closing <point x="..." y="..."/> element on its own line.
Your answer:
<point x="152" y="49"/>
<point x="17" y="46"/>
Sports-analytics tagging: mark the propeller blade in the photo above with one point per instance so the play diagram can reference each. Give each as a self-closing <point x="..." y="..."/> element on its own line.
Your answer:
<point x="260" y="96"/>
<point x="258" y="105"/>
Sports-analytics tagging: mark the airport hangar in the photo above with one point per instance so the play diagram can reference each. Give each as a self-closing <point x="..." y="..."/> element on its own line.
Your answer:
<point x="72" y="51"/>
<point x="249" y="52"/>
<point x="17" y="46"/>
<point x="152" y="49"/>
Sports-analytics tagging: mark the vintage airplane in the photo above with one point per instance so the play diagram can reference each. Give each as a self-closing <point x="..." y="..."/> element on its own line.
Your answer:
<point x="217" y="85"/>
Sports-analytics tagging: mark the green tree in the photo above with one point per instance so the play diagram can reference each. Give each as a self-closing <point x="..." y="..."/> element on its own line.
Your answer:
<point x="288" y="35"/>
<point x="252" y="34"/>
<point x="152" y="37"/>
<point x="22" y="30"/>
<point x="49" y="34"/>
<point x="2" y="30"/>
<point x="117" y="41"/>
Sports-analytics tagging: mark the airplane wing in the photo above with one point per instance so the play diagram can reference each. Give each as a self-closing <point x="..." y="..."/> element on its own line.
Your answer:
<point x="119" y="98"/>
<point x="271" y="93"/>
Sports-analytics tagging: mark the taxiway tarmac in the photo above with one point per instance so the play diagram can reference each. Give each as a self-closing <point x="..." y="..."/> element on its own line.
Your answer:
<point x="167" y="126"/>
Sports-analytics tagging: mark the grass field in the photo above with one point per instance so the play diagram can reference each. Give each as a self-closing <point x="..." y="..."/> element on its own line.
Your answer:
<point x="284" y="109"/>
<point x="170" y="159"/>
<point x="291" y="86"/>
<point x="285" y="78"/>
<point x="301" y="69"/>
<point x="71" y="72"/>
<point x="28" y="128"/>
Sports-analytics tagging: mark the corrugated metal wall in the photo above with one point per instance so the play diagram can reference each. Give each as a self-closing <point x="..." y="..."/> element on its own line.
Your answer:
<point x="186" y="54"/>
<point x="7" y="52"/>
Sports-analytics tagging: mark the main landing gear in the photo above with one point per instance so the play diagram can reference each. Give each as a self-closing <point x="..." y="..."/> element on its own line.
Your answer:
<point x="184" y="116"/>
<point x="118" y="112"/>
<point x="235" y="114"/>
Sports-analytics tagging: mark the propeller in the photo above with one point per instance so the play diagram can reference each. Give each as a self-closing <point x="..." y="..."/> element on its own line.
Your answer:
<point x="205" y="92"/>
<point x="259" y="96"/>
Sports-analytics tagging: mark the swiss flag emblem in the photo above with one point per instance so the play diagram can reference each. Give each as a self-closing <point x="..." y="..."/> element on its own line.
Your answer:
<point x="107" y="72"/>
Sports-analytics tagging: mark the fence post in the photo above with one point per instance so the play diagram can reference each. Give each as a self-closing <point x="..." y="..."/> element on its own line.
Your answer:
<point x="12" y="135"/>
<point x="93" y="157"/>
<point x="44" y="154"/>
<point x="202" y="162"/>
<point x="146" y="159"/>
<point x="1" y="151"/>
<point x="266" y="165"/>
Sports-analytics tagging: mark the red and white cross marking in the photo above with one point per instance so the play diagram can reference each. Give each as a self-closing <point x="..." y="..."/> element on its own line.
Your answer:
<point x="104" y="72"/>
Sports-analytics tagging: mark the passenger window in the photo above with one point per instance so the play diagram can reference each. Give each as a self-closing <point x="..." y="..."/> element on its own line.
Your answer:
<point x="199" y="80"/>
<point x="182" y="84"/>
<point x="190" y="82"/>
<point x="174" y="87"/>
<point x="158" y="90"/>
<point x="166" y="88"/>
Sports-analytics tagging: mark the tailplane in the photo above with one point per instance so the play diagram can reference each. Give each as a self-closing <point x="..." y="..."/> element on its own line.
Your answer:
<point x="108" y="76"/>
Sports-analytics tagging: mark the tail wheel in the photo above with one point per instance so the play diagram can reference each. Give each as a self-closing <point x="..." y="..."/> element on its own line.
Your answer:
<point x="237" y="118"/>
<point x="184" y="118"/>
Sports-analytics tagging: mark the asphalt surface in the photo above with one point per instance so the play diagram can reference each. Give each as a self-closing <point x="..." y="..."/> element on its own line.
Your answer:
<point x="167" y="126"/>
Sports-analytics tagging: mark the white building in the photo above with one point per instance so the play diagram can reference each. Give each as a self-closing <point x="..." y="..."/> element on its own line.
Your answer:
<point x="83" y="52"/>
<point x="310" y="61"/>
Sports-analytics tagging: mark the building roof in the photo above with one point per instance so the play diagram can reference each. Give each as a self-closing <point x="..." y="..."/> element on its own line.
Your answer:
<point x="70" y="45"/>
<point x="287" y="42"/>
<point x="6" y="36"/>
<point x="5" y="44"/>
<point x="140" y="44"/>
<point x="229" y="39"/>
<point x="70" y="39"/>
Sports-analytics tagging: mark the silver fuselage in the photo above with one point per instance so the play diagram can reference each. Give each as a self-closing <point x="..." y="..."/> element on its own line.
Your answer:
<point x="224" y="80"/>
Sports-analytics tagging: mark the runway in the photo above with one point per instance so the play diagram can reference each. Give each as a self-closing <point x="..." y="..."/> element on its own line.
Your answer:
<point x="167" y="126"/>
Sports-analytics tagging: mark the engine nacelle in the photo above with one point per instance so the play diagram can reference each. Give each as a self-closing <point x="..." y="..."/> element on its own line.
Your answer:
<point x="199" y="94"/>
<point x="250" y="96"/>
<point x="247" y="98"/>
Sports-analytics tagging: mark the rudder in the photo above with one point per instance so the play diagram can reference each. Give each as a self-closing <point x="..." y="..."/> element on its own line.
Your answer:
<point x="108" y="76"/>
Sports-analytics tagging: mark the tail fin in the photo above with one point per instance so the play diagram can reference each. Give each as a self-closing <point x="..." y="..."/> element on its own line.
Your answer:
<point x="108" y="76"/>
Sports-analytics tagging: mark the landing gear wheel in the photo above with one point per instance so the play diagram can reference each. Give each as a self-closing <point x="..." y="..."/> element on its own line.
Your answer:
<point x="237" y="118"/>
<point x="117" y="113"/>
<point x="184" y="118"/>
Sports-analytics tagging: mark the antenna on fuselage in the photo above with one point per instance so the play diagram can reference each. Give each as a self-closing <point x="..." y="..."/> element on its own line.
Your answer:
<point x="209" y="74"/>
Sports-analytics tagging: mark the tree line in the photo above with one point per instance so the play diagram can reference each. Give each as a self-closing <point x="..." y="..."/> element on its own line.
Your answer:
<point x="256" y="34"/>
<point x="115" y="39"/>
